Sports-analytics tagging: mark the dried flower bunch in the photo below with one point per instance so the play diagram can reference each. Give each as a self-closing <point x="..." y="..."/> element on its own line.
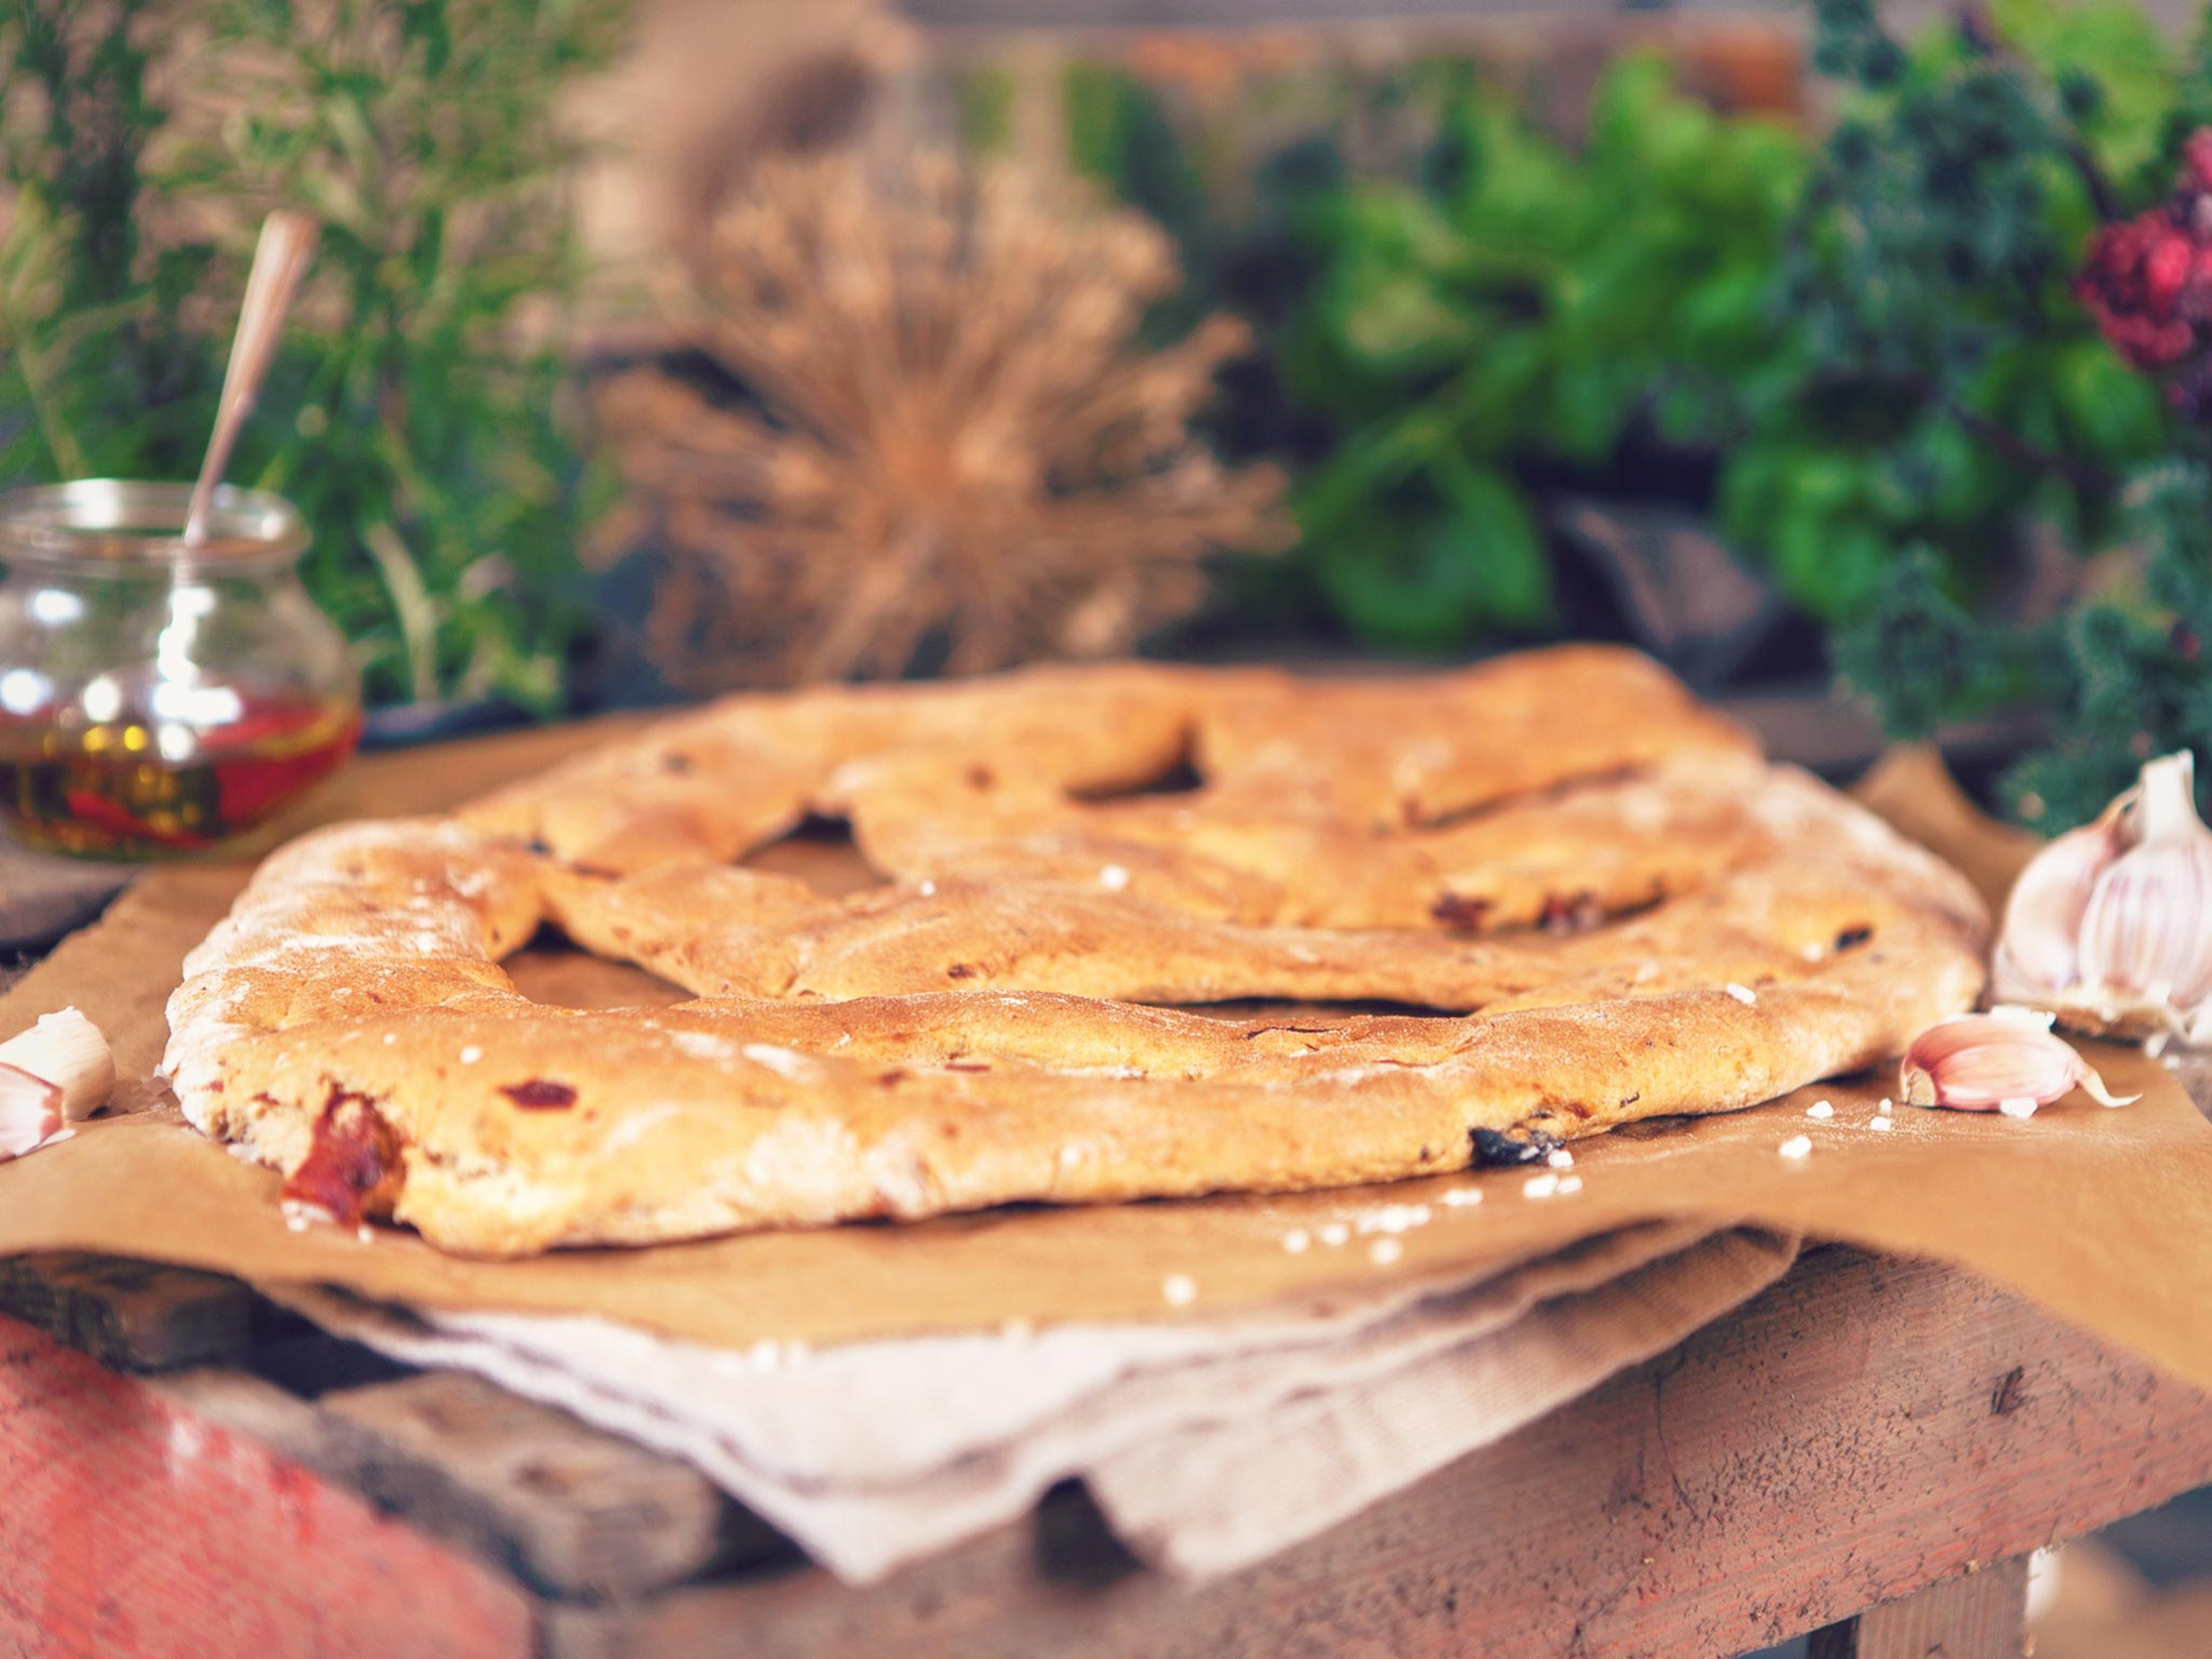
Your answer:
<point x="2148" y="281"/>
<point x="945" y="442"/>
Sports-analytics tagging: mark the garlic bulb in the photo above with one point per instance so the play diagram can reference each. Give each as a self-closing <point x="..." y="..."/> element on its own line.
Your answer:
<point x="2037" y="953"/>
<point x="2110" y="927"/>
<point x="2145" y="933"/>
<point x="2006" y="1060"/>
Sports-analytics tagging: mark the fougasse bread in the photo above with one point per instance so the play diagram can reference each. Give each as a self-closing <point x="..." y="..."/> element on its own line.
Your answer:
<point x="1580" y="897"/>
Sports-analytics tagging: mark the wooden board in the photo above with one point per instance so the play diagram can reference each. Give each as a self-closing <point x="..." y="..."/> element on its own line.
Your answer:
<point x="1860" y="1432"/>
<point x="135" y="1529"/>
<point x="1980" y="1614"/>
<point x="1864" y="1430"/>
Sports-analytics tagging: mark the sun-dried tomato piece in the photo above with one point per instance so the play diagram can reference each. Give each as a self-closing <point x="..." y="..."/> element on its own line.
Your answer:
<point x="352" y="1166"/>
<point x="539" y="1094"/>
<point x="1461" y="910"/>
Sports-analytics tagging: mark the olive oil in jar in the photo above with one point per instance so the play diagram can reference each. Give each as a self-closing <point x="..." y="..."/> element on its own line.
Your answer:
<point x="138" y="789"/>
<point x="160" y="694"/>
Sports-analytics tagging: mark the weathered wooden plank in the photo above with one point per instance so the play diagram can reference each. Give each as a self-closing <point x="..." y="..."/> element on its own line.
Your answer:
<point x="258" y="1410"/>
<point x="1861" y="1431"/>
<point x="1980" y="1614"/>
<point x="575" y="1512"/>
<point x="531" y="1490"/>
<point x="133" y="1529"/>
<point x="133" y="1315"/>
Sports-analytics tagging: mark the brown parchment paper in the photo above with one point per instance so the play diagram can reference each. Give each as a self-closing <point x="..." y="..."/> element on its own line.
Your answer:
<point x="2103" y="1216"/>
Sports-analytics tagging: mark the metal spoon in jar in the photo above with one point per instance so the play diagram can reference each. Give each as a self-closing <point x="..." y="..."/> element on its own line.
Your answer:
<point x="287" y="240"/>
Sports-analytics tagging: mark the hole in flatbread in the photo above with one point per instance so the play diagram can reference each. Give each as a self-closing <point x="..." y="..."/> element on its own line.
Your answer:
<point x="1320" y="1016"/>
<point x="552" y="970"/>
<point x="820" y="852"/>
<point x="1180" y="779"/>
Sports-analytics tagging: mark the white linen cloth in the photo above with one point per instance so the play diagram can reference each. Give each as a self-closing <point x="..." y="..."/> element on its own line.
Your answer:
<point x="1208" y="1444"/>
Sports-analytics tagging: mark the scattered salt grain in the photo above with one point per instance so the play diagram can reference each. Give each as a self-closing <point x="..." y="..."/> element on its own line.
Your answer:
<point x="1813" y="952"/>
<point x="471" y="1055"/>
<point x="427" y="944"/>
<point x="1796" y="1146"/>
<point x="365" y="1234"/>
<point x="1570" y="1184"/>
<point x="392" y="1036"/>
<point x="1560" y="1158"/>
<point x="1742" y="994"/>
<point x="2024" y="1106"/>
<point x="1335" y="1233"/>
<point x="1821" y="1108"/>
<point x="1541" y="1185"/>
<point x="1879" y="1123"/>
<point x="1460" y="1197"/>
<point x="1296" y="1240"/>
<point x="1887" y="1103"/>
<point x="1070" y="1156"/>
<point x="1393" y="1219"/>
<point x="1114" y="878"/>
<point x="927" y="890"/>
<point x="1180" y="1290"/>
<point x="1384" y="1251"/>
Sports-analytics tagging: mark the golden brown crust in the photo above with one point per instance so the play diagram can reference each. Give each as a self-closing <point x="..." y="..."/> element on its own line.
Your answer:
<point x="977" y="1031"/>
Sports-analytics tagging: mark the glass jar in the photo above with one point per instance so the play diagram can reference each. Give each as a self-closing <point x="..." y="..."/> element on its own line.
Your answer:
<point x="156" y="697"/>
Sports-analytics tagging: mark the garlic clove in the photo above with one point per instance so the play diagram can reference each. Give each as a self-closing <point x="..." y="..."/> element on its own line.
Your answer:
<point x="30" y="1110"/>
<point x="2037" y="950"/>
<point x="2006" y="1060"/>
<point x="68" y="1051"/>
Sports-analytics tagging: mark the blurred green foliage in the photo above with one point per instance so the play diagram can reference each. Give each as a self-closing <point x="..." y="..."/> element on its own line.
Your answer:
<point x="1874" y="342"/>
<point x="1859" y="354"/>
<point x="416" y="413"/>
<point x="1952" y="385"/>
<point x="1952" y="209"/>
<point x="93" y="367"/>
<point x="1526" y="305"/>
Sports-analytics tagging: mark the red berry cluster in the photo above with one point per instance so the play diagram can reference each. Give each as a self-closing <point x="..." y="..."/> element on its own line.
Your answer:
<point x="2148" y="281"/>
